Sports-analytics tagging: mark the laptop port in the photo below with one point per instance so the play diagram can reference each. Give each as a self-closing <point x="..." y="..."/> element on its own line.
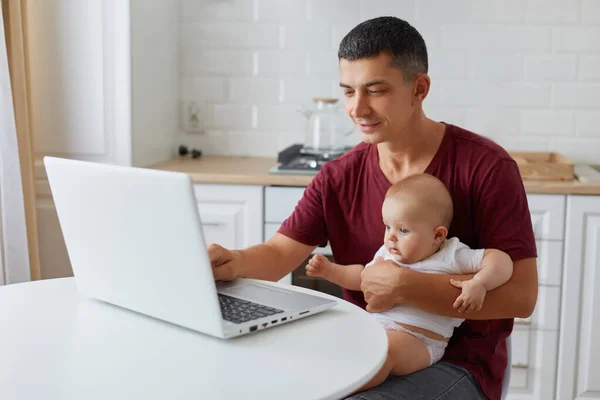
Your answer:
<point x="253" y="328"/>
<point x="304" y="312"/>
<point x="283" y="319"/>
<point x="274" y="321"/>
<point x="265" y="324"/>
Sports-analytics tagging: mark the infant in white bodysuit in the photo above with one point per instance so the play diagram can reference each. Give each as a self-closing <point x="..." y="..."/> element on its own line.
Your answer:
<point x="417" y="212"/>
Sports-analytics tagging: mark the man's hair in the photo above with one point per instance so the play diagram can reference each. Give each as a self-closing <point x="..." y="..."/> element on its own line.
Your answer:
<point x="429" y="194"/>
<point x="387" y="35"/>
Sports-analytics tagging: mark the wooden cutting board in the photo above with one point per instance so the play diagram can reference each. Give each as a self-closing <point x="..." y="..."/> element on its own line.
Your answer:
<point x="547" y="166"/>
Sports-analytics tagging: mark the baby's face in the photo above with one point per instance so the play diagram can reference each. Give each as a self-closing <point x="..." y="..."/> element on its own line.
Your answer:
<point x="409" y="237"/>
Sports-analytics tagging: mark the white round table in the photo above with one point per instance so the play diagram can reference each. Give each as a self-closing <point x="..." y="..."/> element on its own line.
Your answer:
<point x="55" y="344"/>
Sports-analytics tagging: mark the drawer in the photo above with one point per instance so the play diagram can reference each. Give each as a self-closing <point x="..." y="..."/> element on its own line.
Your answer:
<point x="234" y="193"/>
<point x="220" y="224"/>
<point x="271" y="229"/>
<point x="280" y="202"/>
<point x="231" y="215"/>
<point x="547" y="311"/>
<point x="549" y="262"/>
<point x="534" y="363"/>
<point x="547" y="216"/>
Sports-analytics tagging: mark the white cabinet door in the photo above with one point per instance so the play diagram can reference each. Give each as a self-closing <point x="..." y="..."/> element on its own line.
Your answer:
<point x="535" y="339"/>
<point x="103" y="57"/>
<point x="579" y="345"/>
<point x="231" y="215"/>
<point x="549" y="262"/>
<point x="534" y="348"/>
<point x="280" y="202"/>
<point x="547" y="215"/>
<point x="533" y="364"/>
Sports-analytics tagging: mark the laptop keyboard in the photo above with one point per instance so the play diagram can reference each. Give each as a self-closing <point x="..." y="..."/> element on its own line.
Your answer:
<point x="238" y="311"/>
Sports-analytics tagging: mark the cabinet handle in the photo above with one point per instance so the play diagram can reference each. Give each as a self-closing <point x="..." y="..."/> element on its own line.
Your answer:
<point x="213" y="223"/>
<point x="520" y="366"/>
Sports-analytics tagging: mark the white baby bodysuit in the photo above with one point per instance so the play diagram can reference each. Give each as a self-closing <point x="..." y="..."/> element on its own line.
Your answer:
<point x="453" y="258"/>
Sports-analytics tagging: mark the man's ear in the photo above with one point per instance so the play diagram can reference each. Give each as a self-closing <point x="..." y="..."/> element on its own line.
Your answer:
<point x="421" y="86"/>
<point x="441" y="232"/>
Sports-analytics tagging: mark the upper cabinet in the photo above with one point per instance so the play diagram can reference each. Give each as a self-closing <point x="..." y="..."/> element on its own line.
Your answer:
<point x="104" y="79"/>
<point x="579" y="348"/>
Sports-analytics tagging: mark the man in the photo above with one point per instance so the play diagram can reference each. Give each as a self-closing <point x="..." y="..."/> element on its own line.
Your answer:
<point x="383" y="70"/>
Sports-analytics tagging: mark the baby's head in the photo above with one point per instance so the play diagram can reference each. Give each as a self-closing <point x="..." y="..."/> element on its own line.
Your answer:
<point x="416" y="212"/>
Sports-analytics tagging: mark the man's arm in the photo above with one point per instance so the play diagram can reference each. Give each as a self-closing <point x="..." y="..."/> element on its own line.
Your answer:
<point x="387" y="285"/>
<point x="271" y="260"/>
<point x="283" y="252"/>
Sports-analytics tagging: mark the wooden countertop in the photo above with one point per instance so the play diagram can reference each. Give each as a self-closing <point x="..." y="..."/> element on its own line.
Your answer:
<point x="233" y="170"/>
<point x="255" y="171"/>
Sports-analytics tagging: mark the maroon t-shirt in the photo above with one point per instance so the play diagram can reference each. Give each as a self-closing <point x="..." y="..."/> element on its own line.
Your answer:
<point x="342" y="205"/>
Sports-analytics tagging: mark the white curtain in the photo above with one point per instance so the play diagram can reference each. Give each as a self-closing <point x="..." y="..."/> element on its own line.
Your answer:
<point x="14" y="255"/>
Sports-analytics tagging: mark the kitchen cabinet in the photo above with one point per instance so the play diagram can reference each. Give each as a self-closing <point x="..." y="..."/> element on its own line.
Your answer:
<point x="579" y="345"/>
<point x="535" y="339"/>
<point x="231" y="215"/>
<point x="547" y="216"/>
<point x="120" y="60"/>
<point x="280" y="202"/>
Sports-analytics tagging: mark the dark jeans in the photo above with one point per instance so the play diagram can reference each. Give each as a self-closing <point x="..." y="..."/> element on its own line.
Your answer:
<point x="441" y="381"/>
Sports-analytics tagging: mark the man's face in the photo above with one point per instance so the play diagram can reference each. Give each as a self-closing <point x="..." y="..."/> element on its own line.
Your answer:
<point x="378" y="99"/>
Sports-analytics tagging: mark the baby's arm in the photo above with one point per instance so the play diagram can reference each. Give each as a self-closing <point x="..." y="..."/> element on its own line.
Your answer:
<point x="346" y="276"/>
<point x="496" y="270"/>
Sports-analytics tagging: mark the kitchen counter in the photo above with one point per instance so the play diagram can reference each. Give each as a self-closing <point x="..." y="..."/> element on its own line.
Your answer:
<point x="255" y="171"/>
<point x="233" y="170"/>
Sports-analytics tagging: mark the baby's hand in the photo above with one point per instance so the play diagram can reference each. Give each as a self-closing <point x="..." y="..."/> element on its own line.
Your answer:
<point x="319" y="265"/>
<point x="472" y="296"/>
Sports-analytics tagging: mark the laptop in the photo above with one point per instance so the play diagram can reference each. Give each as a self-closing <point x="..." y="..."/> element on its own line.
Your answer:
<point x="135" y="240"/>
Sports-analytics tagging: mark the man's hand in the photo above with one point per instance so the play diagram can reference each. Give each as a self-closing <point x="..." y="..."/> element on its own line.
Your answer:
<point x="225" y="263"/>
<point x="379" y="283"/>
<point x="472" y="296"/>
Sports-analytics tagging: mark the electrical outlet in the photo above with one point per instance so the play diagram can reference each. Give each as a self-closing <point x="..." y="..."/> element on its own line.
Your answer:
<point x="193" y="116"/>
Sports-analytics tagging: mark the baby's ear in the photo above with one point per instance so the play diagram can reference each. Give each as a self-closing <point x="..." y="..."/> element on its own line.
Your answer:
<point x="441" y="232"/>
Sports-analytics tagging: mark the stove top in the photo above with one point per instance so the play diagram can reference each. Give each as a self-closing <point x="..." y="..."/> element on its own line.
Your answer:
<point x="296" y="160"/>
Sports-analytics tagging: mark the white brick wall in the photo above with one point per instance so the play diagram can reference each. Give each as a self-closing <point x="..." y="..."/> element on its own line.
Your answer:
<point x="524" y="72"/>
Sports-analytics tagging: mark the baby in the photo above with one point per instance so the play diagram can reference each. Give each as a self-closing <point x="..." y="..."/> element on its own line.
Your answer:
<point x="417" y="212"/>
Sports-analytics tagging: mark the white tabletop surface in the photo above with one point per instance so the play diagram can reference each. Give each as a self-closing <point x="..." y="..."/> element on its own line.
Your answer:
<point x="56" y="345"/>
